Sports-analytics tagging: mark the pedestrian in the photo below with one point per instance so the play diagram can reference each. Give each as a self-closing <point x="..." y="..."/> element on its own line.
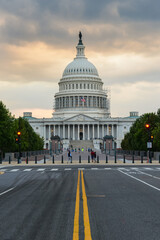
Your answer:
<point x="92" y="155"/>
<point x="69" y="156"/>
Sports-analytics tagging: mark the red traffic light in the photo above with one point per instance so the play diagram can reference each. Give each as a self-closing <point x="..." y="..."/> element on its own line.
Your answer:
<point x="147" y="126"/>
<point x="18" y="133"/>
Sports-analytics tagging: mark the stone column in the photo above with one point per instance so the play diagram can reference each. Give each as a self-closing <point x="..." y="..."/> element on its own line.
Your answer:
<point x="73" y="131"/>
<point x="88" y="133"/>
<point x="111" y="129"/>
<point x="83" y="132"/>
<point x="44" y="130"/>
<point x="93" y="130"/>
<point x="98" y="130"/>
<point x="64" y="131"/>
<point x="107" y="129"/>
<point x="49" y="132"/>
<point x="54" y="130"/>
<point x="68" y="131"/>
<point x="103" y="131"/>
<point x="78" y="131"/>
<point x="59" y="130"/>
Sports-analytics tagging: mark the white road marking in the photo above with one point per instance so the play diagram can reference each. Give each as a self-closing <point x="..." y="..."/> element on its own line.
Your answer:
<point x="3" y="170"/>
<point x="123" y="169"/>
<point x="148" y="168"/>
<point x="67" y="169"/>
<point x="6" y="191"/>
<point x="107" y="168"/>
<point x="14" y="170"/>
<point x="27" y="170"/>
<point x="149" y="175"/>
<point x="158" y="168"/>
<point x="134" y="168"/>
<point x="54" y="169"/>
<point x="140" y="180"/>
<point x="41" y="169"/>
<point x="81" y="168"/>
<point x="94" y="168"/>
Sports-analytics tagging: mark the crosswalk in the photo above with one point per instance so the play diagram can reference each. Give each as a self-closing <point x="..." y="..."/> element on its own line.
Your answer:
<point x="126" y="169"/>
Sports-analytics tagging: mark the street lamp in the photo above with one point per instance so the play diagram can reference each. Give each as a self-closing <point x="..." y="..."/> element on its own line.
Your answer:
<point x="109" y="147"/>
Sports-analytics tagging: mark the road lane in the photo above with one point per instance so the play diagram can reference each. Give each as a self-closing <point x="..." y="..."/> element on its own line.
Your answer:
<point x="121" y="208"/>
<point x="39" y="208"/>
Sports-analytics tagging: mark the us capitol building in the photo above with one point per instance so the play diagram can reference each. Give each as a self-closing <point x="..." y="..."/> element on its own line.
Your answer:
<point x="81" y="115"/>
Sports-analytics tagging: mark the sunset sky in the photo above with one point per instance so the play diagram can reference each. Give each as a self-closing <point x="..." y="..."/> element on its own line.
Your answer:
<point x="38" y="39"/>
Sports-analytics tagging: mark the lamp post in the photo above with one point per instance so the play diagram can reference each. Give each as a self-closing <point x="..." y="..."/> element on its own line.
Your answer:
<point x="109" y="147"/>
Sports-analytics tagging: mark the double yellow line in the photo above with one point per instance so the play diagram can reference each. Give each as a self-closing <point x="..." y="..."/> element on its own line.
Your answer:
<point x="87" y="229"/>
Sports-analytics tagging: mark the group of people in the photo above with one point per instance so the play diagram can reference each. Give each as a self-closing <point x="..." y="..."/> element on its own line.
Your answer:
<point x="69" y="159"/>
<point x="93" y="156"/>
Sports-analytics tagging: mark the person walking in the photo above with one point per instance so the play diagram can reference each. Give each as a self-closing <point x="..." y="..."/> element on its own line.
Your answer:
<point x="69" y="156"/>
<point x="92" y="155"/>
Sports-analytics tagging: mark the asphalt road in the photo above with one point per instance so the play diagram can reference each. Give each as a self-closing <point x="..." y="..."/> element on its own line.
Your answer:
<point x="79" y="202"/>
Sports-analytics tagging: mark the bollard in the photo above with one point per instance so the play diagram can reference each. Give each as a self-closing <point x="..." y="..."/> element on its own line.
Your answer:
<point x="9" y="160"/>
<point x="88" y="159"/>
<point x="35" y="159"/>
<point x="159" y="158"/>
<point x="115" y="159"/>
<point x="97" y="159"/>
<point x="79" y="158"/>
<point x="27" y="160"/>
<point x="106" y="159"/>
<point x="53" y="159"/>
<point x="44" y="159"/>
<point x="133" y="158"/>
<point x="62" y="159"/>
<point x="141" y="158"/>
<point x="124" y="160"/>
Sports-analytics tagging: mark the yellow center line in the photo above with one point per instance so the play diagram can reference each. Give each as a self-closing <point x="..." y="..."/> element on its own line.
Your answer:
<point x="87" y="229"/>
<point x="76" y="216"/>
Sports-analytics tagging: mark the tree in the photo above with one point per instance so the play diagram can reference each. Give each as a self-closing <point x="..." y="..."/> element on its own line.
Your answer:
<point x="9" y="127"/>
<point x="30" y="140"/>
<point x="138" y="136"/>
<point x="6" y="130"/>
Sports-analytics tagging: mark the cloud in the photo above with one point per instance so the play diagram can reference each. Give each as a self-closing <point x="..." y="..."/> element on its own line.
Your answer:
<point x="38" y="39"/>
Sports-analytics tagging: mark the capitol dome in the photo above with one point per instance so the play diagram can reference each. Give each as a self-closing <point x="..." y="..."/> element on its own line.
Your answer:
<point x="81" y="89"/>
<point x="80" y="65"/>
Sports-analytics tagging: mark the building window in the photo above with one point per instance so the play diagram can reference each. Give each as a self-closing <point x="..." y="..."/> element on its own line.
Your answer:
<point x="76" y="86"/>
<point x="72" y="86"/>
<point x="88" y="85"/>
<point x="36" y="127"/>
<point x="84" y="86"/>
<point x="80" y="85"/>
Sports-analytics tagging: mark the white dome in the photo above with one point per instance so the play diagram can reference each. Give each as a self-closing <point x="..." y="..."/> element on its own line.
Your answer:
<point x="80" y="66"/>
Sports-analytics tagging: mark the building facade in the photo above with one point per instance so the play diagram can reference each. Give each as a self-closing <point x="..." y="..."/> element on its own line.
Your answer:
<point x="81" y="108"/>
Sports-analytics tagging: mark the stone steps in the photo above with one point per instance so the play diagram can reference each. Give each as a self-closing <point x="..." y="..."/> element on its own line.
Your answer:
<point x="81" y="144"/>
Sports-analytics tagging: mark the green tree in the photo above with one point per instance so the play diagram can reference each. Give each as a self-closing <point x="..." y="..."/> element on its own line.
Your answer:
<point x="9" y="127"/>
<point x="30" y="140"/>
<point x="6" y="130"/>
<point x="138" y="136"/>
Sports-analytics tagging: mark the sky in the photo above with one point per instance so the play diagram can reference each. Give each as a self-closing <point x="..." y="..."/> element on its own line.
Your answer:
<point x="38" y="40"/>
